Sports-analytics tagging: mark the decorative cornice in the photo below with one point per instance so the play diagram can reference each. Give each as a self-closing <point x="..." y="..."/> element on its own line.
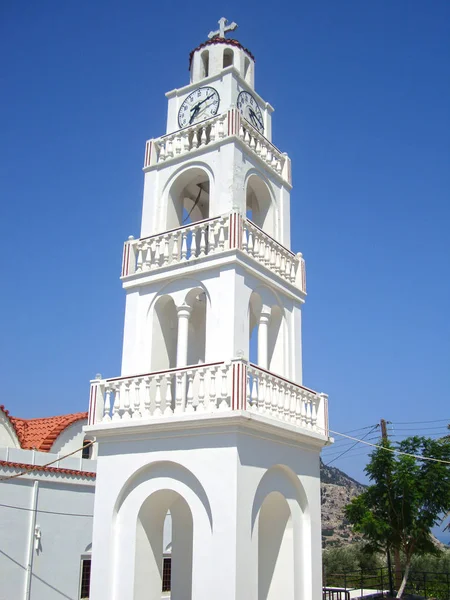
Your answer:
<point x="54" y="470"/>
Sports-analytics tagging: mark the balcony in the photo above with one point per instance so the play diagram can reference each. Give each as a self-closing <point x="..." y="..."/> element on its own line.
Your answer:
<point x="213" y="237"/>
<point x="215" y="131"/>
<point x="206" y="389"/>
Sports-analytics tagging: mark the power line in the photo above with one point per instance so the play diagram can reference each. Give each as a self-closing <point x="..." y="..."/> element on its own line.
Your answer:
<point x="419" y="422"/>
<point x="355" y="444"/>
<point x="393" y="450"/>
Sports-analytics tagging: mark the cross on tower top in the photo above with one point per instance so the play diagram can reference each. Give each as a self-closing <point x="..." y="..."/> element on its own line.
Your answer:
<point x="223" y="29"/>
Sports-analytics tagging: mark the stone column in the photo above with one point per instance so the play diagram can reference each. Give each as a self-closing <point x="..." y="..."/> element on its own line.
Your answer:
<point x="184" y="312"/>
<point x="263" y="338"/>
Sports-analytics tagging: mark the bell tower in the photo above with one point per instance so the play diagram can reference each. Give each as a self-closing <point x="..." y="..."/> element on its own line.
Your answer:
<point x="209" y="420"/>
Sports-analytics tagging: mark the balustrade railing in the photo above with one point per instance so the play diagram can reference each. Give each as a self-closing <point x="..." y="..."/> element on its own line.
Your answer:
<point x="206" y="389"/>
<point x="212" y="131"/>
<point x="213" y="236"/>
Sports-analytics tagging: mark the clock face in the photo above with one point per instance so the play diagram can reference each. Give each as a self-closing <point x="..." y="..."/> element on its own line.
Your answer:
<point x="201" y="104"/>
<point x="250" y="110"/>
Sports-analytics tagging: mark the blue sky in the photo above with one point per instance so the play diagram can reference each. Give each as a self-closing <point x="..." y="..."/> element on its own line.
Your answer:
<point x="362" y="95"/>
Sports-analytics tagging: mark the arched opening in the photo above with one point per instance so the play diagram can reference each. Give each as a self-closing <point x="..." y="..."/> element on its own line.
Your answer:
<point x="205" y="63"/>
<point x="275" y="549"/>
<point x="86" y="451"/>
<point x="150" y="547"/>
<point x="247" y="69"/>
<point x="164" y="335"/>
<point x="266" y="318"/>
<point x="188" y="198"/>
<point x="259" y="205"/>
<point x="228" y="57"/>
<point x="282" y="522"/>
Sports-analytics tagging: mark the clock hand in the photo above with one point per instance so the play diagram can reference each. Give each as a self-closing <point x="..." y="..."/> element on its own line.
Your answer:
<point x="196" y="110"/>
<point x="253" y="116"/>
<point x="201" y="102"/>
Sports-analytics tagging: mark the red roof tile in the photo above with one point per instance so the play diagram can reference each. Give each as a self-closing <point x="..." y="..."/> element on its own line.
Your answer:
<point x="56" y="470"/>
<point x="41" y="433"/>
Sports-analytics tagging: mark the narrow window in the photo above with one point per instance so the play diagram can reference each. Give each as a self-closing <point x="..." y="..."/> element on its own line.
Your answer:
<point x="87" y="449"/>
<point x="85" y="579"/>
<point x="167" y="571"/>
<point x="205" y="63"/>
<point x="228" y="57"/>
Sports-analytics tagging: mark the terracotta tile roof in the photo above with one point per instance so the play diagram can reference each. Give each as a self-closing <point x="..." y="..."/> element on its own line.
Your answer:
<point x="41" y="433"/>
<point x="219" y="40"/>
<point x="56" y="470"/>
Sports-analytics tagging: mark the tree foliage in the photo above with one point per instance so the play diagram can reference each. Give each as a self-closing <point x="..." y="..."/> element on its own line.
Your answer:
<point x="406" y="498"/>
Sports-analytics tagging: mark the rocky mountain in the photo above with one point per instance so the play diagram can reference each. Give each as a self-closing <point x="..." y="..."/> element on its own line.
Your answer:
<point x="337" y="490"/>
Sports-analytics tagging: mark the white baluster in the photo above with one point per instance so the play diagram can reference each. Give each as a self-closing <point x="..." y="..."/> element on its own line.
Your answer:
<point x="287" y="270"/>
<point x="126" y="402"/>
<point x="178" y="144"/>
<point x="276" y="395"/>
<point x="162" y="152"/>
<point x="264" y="152"/>
<point x="287" y="403"/>
<point x="193" y="249"/>
<point x="250" y="242"/>
<point x="212" y="390"/>
<point x="184" y="245"/>
<point x="221" y="129"/>
<point x="248" y="395"/>
<point x="213" y="132"/>
<point x="195" y="139"/>
<point x="202" y="240"/>
<point x="185" y="142"/>
<point x="267" y="254"/>
<point x="254" y="394"/>
<point x="241" y="132"/>
<point x="314" y="412"/>
<point x="166" y="250"/>
<point x="293" y="272"/>
<point x="261" y="394"/>
<point x="203" y="137"/>
<point x="262" y="250"/>
<point x="211" y="238"/>
<point x="137" y="399"/>
<point x="190" y="392"/>
<point x="268" y="396"/>
<point x="116" y="408"/>
<point x="158" y="412"/>
<point x="148" y="256"/>
<point x="168" y="408"/>
<point x="175" y="257"/>
<point x="256" y="246"/>
<point x="169" y="148"/>
<point x="277" y="261"/>
<point x="258" y="147"/>
<point x="303" y="409"/>
<point x="107" y="408"/>
<point x="140" y="259"/>
<point x="308" y="412"/>
<point x="147" y="399"/>
<point x="298" y="408"/>
<point x="252" y="143"/>
<point x="221" y="235"/>
<point x="246" y="137"/>
<point x="179" y="394"/>
<point x="157" y="252"/>
<point x="269" y="156"/>
<point x="244" y="238"/>
<point x="201" y="391"/>
<point x="224" y="389"/>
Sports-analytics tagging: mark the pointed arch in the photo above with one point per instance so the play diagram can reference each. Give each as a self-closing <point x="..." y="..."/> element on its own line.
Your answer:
<point x="261" y="205"/>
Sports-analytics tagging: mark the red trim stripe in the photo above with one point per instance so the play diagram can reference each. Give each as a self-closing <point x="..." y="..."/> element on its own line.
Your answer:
<point x="90" y="407"/>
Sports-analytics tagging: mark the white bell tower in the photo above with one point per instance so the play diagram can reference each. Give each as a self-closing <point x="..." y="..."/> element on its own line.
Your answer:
<point x="209" y="418"/>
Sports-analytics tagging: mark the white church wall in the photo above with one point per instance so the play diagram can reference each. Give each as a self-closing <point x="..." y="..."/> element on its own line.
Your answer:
<point x="70" y="439"/>
<point x="8" y="437"/>
<point x="64" y="517"/>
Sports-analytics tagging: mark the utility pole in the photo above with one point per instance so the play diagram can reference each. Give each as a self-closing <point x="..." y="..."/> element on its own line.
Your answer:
<point x="384" y="436"/>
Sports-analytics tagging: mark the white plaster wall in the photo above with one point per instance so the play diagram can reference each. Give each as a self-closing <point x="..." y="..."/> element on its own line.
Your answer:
<point x="218" y="473"/>
<point x="70" y="439"/>
<point x="8" y="437"/>
<point x="65" y="518"/>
